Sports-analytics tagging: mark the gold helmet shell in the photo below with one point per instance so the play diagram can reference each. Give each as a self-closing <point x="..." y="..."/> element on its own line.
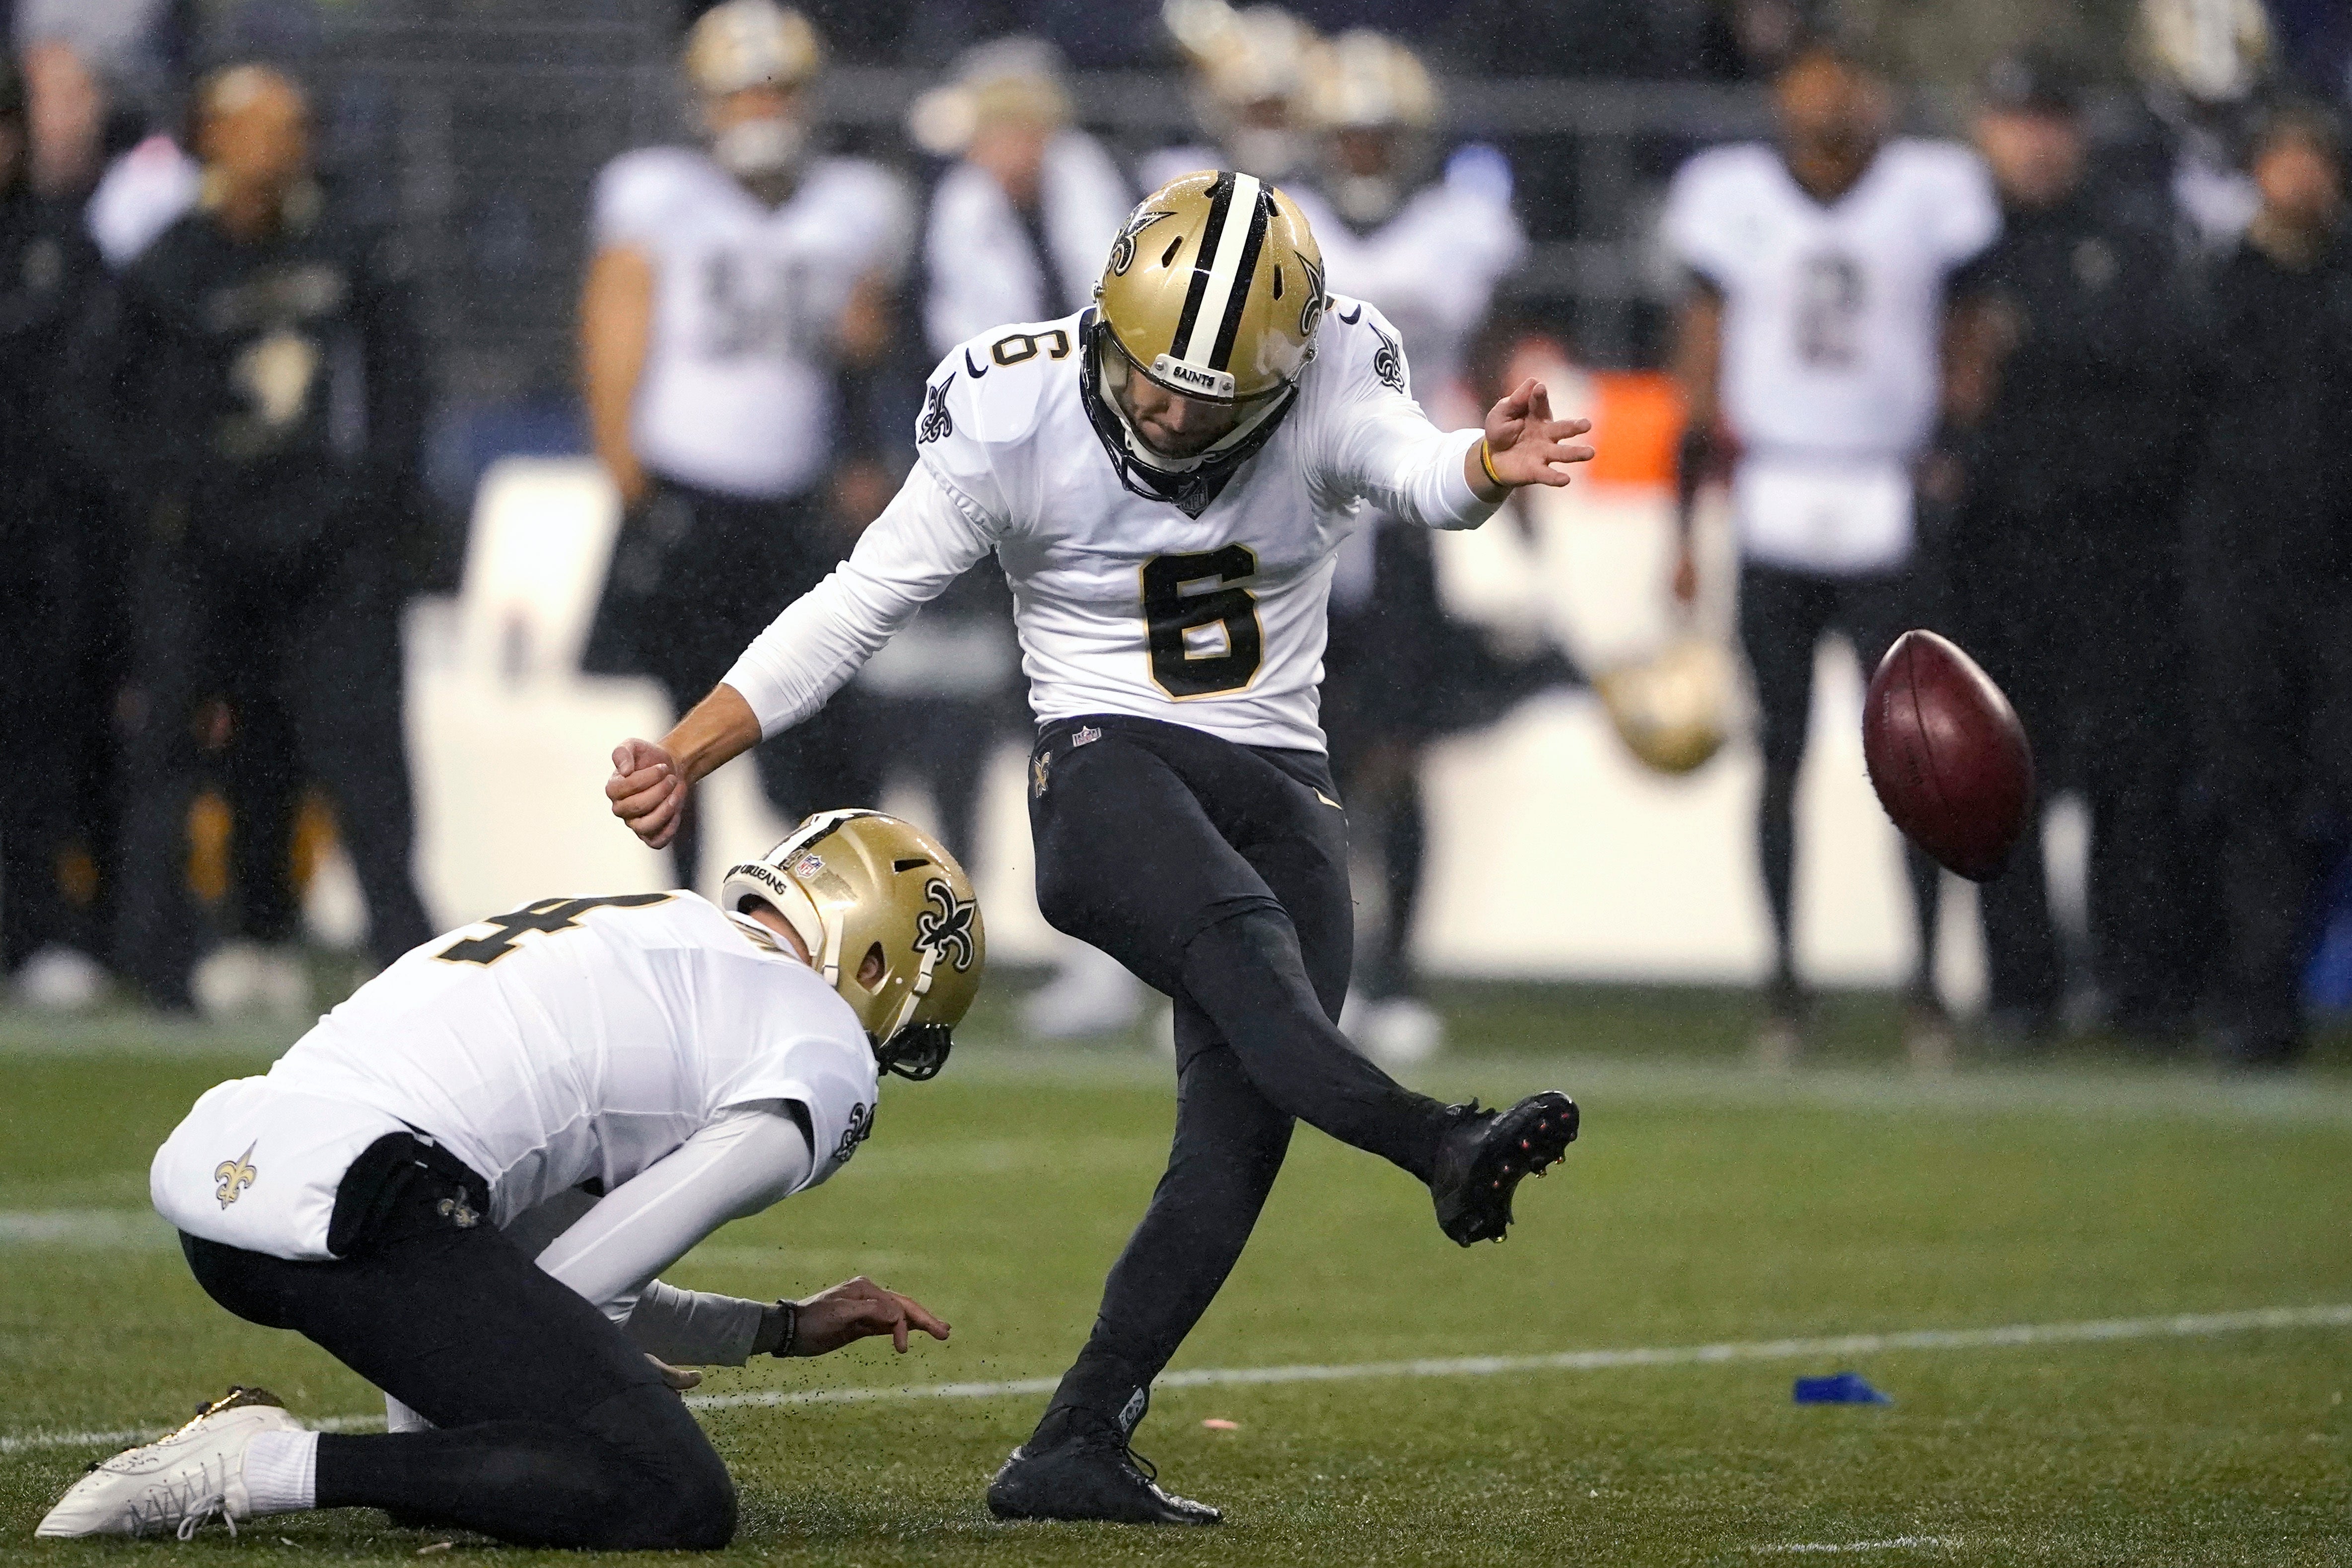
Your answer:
<point x="1670" y="710"/>
<point x="855" y="883"/>
<point x="1369" y="82"/>
<point x="744" y="44"/>
<point x="1214" y="287"/>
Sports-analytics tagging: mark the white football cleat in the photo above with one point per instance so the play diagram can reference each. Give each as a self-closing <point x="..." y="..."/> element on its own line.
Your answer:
<point x="176" y="1483"/>
<point x="60" y="979"/>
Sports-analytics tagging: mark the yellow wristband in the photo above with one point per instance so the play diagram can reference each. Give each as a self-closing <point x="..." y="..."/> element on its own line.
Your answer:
<point x="1487" y="461"/>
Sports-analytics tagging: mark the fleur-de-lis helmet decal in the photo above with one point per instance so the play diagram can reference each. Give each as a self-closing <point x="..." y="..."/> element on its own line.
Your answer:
<point x="945" y="928"/>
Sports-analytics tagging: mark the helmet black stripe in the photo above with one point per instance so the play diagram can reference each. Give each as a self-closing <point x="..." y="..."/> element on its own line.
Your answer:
<point x="1221" y="356"/>
<point x="1221" y="197"/>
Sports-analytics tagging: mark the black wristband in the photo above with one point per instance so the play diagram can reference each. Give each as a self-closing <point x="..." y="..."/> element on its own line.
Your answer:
<point x="779" y="1328"/>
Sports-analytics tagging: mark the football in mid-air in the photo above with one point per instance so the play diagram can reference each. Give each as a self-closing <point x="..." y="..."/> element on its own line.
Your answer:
<point x="1946" y="755"/>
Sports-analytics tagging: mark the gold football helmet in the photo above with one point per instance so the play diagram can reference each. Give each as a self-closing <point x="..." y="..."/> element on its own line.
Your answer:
<point x="857" y="884"/>
<point x="751" y="43"/>
<point x="1376" y="106"/>
<point x="1212" y="293"/>
<point x="1670" y="710"/>
<point x="1250" y="73"/>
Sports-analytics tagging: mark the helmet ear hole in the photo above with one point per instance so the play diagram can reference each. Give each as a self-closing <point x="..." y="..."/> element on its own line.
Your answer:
<point x="872" y="968"/>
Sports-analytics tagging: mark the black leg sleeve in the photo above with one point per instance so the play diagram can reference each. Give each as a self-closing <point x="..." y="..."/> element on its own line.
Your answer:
<point x="1230" y="1142"/>
<point x="1246" y="976"/>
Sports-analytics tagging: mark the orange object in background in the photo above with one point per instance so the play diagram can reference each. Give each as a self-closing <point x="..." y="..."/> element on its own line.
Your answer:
<point x="1637" y="422"/>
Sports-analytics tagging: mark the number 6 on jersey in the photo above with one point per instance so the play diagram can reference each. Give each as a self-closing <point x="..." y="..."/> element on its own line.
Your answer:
<point x="1188" y="600"/>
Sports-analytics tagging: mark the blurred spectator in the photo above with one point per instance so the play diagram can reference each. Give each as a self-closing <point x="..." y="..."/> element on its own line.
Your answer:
<point x="1250" y="72"/>
<point x="1809" y="347"/>
<point x="734" y="286"/>
<point x="2063" y="575"/>
<point x="1427" y="253"/>
<point x="2270" y="569"/>
<point x="46" y="268"/>
<point x="1019" y="226"/>
<point x="2201" y="65"/>
<point x="255" y="389"/>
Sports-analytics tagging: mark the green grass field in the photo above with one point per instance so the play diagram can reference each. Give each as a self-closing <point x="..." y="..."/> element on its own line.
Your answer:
<point x="1704" y="1207"/>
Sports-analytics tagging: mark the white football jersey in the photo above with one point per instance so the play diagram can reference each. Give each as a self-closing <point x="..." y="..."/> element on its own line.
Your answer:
<point x="573" y="1040"/>
<point x="1833" y="313"/>
<point x="983" y="263"/>
<point x="1124" y="604"/>
<point x="737" y="393"/>
<point x="1833" y="317"/>
<point x="1432" y="268"/>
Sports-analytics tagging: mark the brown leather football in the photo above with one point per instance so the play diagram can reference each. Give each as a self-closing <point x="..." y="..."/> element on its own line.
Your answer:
<point x="1946" y="755"/>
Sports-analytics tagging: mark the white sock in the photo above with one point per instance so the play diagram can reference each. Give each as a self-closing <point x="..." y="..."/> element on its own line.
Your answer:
<point x="281" y="1472"/>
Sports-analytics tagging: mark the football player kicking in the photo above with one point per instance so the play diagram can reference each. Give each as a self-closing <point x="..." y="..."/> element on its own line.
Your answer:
<point x="1165" y="477"/>
<point x="599" y="1082"/>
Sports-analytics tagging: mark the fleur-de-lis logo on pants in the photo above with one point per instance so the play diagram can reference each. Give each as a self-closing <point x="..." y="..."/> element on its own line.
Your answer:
<point x="234" y="1175"/>
<point x="945" y="927"/>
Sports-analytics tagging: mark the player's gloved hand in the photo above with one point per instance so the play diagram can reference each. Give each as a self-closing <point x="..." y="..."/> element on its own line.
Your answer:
<point x="679" y="1378"/>
<point x="647" y="790"/>
<point x="856" y="1310"/>
<point x="1525" y="445"/>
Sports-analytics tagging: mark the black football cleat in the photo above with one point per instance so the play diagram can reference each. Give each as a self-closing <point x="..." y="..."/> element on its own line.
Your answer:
<point x="1087" y="1472"/>
<point x="1483" y="1156"/>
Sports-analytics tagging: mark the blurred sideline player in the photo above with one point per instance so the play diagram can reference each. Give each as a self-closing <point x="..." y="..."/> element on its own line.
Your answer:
<point x="48" y="269"/>
<point x="2062" y="562"/>
<point x="2269" y="559"/>
<point x="1250" y="71"/>
<point x="732" y="284"/>
<point x="1165" y="477"/>
<point x="256" y="391"/>
<point x="1016" y="228"/>
<point x="1427" y="254"/>
<point x="598" y="1084"/>
<point x="1809" y="354"/>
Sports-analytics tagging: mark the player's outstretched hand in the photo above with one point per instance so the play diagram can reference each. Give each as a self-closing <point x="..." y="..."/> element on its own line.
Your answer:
<point x="648" y="791"/>
<point x="1525" y="445"/>
<point x="857" y="1309"/>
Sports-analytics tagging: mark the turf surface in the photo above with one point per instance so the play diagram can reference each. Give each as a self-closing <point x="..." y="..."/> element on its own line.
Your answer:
<point x="1702" y="1206"/>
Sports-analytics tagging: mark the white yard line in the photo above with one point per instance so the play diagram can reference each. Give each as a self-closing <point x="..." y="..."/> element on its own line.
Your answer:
<point x="1893" y="1543"/>
<point x="2188" y="1325"/>
<point x="87" y="1228"/>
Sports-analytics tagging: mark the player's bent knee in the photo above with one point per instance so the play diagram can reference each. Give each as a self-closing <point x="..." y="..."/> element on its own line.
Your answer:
<point x="686" y="1499"/>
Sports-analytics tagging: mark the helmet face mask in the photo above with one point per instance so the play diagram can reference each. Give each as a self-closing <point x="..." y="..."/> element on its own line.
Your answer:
<point x="854" y="885"/>
<point x="1203" y="322"/>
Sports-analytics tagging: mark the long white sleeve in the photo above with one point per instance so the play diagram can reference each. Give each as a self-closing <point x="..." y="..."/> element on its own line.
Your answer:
<point x="1372" y="440"/>
<point x="922" y="542"/>
<point x="738" y="1165"/>
<point x="1412" y="470"/>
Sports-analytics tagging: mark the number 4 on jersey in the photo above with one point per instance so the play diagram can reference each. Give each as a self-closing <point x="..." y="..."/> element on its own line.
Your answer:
<point x="548" y="915"/>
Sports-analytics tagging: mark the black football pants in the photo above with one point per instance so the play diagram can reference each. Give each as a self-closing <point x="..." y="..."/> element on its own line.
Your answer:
<point x="1783" y="616"/>
<point x="322" y="630"/>
<point x="2090" y="645"/>
<point x="1218" y="873"/>
<point x="2275" y="667"/>
<point x="551" y="1429"/>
